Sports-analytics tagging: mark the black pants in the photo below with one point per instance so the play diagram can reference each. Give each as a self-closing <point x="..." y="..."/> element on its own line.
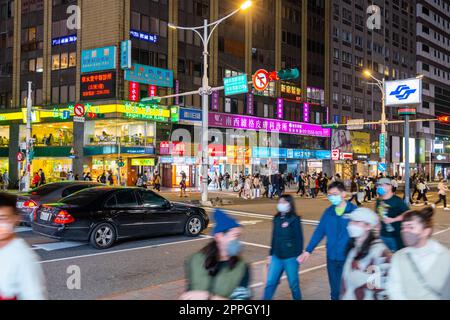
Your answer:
<point x="368" y="196"/>
<point x="302" y="189"/>
<point x="422" y="195"/>
<point x="355" y="196"/>
<point x="266" y="192"/>
<point x="414" y="193"/>
<point x="442" y="197"/>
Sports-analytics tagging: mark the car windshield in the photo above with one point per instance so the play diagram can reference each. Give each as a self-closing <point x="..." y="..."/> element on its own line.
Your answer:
<point x="46" y="189"/>
<point x="85" y="197"/>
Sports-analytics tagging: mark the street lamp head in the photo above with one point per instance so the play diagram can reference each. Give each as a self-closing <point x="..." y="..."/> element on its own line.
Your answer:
<point x="420" y="76"/>
<point x="171" y="26"/>
<point x="246" y="5"/>
<point x="367" y="73"/>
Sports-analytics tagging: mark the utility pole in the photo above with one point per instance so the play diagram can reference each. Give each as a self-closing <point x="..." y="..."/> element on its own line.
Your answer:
<point x="28" y="139"/>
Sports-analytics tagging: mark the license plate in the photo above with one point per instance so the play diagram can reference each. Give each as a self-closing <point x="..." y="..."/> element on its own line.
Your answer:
<point x="45" y="216"/>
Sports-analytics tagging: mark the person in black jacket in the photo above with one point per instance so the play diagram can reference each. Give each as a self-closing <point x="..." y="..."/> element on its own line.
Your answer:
<point x="287" y="246"/>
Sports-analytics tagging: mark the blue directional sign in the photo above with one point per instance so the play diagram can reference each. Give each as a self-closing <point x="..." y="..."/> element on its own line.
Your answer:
<point x="235" y="85"/>
<point x="382" y="167"/>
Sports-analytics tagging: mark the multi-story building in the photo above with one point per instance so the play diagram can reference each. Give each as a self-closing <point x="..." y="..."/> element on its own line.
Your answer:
<point x="388" y="51"/>
<point x="433" y="61"/>
<point x="70" y="51"/>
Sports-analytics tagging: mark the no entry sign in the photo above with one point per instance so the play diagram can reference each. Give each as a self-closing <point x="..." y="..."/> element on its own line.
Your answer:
<point x="20" y="156"/>
<point x="79" y="110"/>
<point x="261" y="80"/>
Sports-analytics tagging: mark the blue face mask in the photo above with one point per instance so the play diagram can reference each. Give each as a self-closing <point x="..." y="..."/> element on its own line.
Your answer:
<point x="381" y="191"/>
<point x="335" y="200"/>
<point x="234" y="248"/>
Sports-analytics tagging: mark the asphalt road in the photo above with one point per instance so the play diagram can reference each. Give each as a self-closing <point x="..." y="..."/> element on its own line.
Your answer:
<point x="142" y="263"/>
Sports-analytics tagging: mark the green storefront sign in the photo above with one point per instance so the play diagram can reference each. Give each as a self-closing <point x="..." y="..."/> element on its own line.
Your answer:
<point x="235" y="85"/>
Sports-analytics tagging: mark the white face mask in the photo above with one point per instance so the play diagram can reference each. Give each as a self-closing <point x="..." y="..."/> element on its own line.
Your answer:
<point x="355" y="231"/>
<point x="6" y="230"/>
<point x="283" y="207"/>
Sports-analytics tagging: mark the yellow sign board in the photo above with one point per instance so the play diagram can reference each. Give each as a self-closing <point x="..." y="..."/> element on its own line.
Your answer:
<point x="143" y="162"/>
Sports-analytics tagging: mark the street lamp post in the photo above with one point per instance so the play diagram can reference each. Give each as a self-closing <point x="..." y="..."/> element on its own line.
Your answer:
<point x="380" y="84"/>
<point x="205" y="91"/>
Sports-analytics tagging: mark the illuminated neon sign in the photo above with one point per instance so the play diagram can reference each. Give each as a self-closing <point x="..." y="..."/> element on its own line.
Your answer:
<point x="64" y="40"/>
<point x="144" y="36"/>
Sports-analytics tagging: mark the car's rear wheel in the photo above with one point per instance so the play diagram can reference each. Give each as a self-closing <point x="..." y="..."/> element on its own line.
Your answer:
<point x="194" y="226"/>
<point x="103" y="236"/>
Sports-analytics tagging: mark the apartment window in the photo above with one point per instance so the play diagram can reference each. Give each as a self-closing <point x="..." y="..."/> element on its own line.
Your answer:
<point x="31" y="34"/>
<point x="336" y="76"/>
<point x="40" y="64"/>
<point x="32" y="65"/>
<point x="425" y="67"/>
<point x="336" y="53"/>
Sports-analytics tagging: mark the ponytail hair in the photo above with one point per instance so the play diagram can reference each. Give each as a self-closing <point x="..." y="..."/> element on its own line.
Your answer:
<point x="424" y="216"/>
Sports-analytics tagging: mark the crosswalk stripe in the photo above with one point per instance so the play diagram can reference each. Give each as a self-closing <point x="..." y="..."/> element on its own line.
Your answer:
<point x="53" y="246"/>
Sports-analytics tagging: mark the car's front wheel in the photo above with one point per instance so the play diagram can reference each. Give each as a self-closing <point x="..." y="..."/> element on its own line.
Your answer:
<point x="194" y="226"/>
<point x="103" y="236"/>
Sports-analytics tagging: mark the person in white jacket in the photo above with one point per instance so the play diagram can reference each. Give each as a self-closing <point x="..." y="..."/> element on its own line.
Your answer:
<point x="442" y="193"/>
<point x="21" y="277"/>
<point x="421" y="271"/>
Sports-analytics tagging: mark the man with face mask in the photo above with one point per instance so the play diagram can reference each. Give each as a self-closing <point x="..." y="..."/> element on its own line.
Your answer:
<point x="218" y="272"/>
<point x="333" y="226"/>
<point x="390" y="208"/>
<point x="21" y="277"/>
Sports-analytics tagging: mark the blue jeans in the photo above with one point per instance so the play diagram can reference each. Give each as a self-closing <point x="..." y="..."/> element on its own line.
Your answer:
<point x="391" y="243"/>
<point x="335" y="268"/>
<point x="276" y="268"/>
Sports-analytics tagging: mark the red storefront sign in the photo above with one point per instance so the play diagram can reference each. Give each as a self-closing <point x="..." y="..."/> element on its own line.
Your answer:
<point x="133" y="91"/>
<point x="152" y="91"/>
<point x="164" y="147"/>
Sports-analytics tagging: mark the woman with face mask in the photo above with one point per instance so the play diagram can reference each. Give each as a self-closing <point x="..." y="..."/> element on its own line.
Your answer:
<point x="368" y="259"/>
<point x="287" y="246"/>
<point x="421" y="271"/>
<point x="218" y="272"/>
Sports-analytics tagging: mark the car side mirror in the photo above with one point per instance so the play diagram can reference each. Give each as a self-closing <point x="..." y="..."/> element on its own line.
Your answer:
<point x="168" y="205"/>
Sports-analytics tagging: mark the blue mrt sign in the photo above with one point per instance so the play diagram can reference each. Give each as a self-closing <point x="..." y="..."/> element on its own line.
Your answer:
<point x="382" y="167"/>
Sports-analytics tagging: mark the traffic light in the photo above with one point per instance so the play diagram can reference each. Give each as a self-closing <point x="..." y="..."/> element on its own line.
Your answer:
<point x="288" y="74"/>
<point x="330" y="125"/>
<point x="444" y="119"/>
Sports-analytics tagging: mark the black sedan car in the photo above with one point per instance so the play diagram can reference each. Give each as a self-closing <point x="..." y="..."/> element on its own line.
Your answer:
<point x="28" y="203"/>
<point x="104" y="215"/>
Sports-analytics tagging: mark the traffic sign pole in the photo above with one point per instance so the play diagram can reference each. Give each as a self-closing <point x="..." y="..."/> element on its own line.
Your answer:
<point x="407" y="173"/>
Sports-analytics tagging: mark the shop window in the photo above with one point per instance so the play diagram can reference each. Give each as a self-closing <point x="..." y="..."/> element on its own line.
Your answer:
<point x="72" y="59"/>
<point x="64" y="60"/>
<point x="55" y="95"/>
<point x="64" y="94"/>
<point x="55" y="62"/>
<point x="72" y="94"/>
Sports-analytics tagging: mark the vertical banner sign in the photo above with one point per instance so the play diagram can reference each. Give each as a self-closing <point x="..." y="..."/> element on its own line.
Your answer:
<point x="382" y="145"/>
<point x="133" y="91"/>
<point x="306" y="112"/>
<point x="215" y="101"/>
<point x="177" y="91"/>
<point x="250" y="103"/>
<point x="125" y="54"/>
<point x="152" y="90"/>
<point x="280" y="108"/>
